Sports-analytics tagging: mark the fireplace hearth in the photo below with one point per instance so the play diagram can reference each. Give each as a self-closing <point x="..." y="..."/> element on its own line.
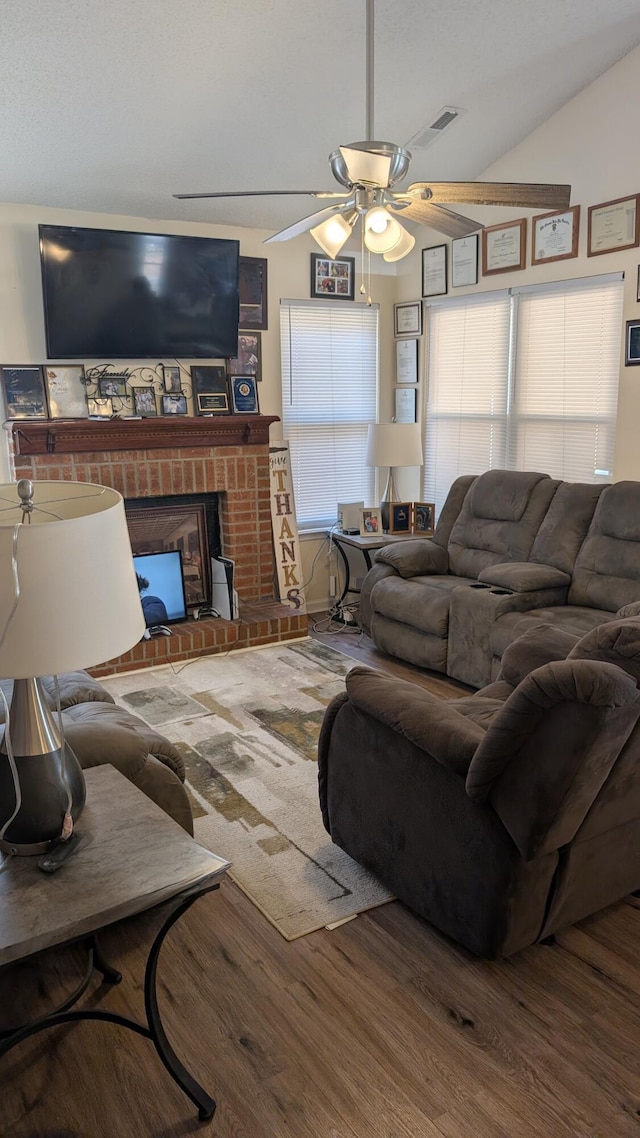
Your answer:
<point x="226" y="460"/>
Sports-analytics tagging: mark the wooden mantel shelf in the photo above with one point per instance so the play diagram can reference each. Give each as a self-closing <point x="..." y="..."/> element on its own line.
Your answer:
<point x="74" y="436"/>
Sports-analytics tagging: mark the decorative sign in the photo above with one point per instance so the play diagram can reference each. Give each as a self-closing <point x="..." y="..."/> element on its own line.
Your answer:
<point x="285" y="528"/>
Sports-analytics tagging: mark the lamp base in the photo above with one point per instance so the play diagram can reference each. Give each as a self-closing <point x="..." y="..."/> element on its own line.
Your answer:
<point x="43" y="783"/>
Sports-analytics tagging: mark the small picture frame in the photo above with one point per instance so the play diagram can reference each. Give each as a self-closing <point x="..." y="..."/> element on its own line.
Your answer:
<point x="252" y="292"/>
<point x="371" y="522"/>
<point x="211" y="389"/>
<point x="172" y="380"/>
<point x="423" y="518"/>
<point x="407" y="361"/>
<point x="407" y="318"/>
<point x="249" y="358"/>
<point x="464" y="260"/>
<point x="434" y="270"/>
<point x="332" y="279"/>
<point x="400" y="514"/>
<point x="244" y="395"/>
<point x="554" y="236"/>
<point x="24" y="392"/>
<point x="144" y="402"/>
<point x="632" y="343"/>
<point x="613" y="225"/>
<point x="66" y="391"/>
<point x="112" y="387"/>
<point x="174" y="404"/>
<point x="99" y="408"/>
<point x="504" y="247"/>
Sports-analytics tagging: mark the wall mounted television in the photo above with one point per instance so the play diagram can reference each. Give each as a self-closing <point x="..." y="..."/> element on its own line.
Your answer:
<point x="113" y="294"/>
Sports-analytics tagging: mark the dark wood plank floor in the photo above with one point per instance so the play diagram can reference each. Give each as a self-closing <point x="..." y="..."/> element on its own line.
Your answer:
<point x="381" y="1028"/>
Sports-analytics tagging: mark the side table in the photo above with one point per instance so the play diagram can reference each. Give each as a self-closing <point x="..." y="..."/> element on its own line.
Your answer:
<point x="134" y="858"/>
<point x="366" y="544"/>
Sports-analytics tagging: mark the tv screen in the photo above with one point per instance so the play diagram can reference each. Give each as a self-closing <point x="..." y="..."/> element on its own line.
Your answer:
<point x="161" y="586"/>
<point x="120" y="295"/>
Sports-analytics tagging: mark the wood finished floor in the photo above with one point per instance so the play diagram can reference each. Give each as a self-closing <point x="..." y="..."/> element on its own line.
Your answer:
<point x="381" y="1028"/>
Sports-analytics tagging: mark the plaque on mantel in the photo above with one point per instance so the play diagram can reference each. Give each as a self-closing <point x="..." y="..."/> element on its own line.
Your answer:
<point x="77" y="436"/>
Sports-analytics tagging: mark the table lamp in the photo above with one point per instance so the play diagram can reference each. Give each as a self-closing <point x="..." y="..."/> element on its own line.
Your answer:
<point x="68" y="599"/>
<point x="393" y="445"/>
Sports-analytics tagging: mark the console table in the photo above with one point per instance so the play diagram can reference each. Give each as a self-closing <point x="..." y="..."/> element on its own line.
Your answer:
<point x="135" y="857"/>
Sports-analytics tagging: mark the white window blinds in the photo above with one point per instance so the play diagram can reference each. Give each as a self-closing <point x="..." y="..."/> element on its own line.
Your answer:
<point x="526" y="380"/>
<point x="329" y="354"/>
<point x="467" y="391"/>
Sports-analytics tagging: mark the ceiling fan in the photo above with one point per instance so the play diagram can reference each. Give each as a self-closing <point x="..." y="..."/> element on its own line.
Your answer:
<point x="369" y="170"/>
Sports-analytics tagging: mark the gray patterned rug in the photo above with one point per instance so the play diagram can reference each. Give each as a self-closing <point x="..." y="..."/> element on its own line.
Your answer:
<point x="247" y="725"/>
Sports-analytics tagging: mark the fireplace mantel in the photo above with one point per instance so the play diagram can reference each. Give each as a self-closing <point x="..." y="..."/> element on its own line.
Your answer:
<point x="75" y="436"/>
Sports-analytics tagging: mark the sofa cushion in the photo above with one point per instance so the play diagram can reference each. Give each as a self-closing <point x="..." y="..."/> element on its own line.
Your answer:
<point x="572" y="619"/>
<point x="565" y="525"/>
<point x="422" y="602"/>
<point x="538" y="645"/>
<point x="502" y="495"/>
<point x="617" y="642"/>
<point x="607" y="569"/>
<point x="524" y="576"/>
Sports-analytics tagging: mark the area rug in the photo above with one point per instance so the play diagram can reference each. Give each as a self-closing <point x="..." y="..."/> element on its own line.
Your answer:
<point x="247" y="725"/>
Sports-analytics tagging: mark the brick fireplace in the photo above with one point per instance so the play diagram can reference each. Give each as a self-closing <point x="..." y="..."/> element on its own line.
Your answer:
<point x="159" y="457"/>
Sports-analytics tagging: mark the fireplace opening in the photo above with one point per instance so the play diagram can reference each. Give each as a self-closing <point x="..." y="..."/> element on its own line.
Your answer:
<point x="186" y="522"/>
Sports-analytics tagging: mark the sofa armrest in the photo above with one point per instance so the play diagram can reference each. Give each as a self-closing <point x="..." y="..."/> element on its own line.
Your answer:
<point x="524" y="576"/>
<point x="422" y="718"/>
<point x="539" y="645"/>
<point x="550" y="748"/>
<point x="414" y="558"/>
<point x="629" y="610"/>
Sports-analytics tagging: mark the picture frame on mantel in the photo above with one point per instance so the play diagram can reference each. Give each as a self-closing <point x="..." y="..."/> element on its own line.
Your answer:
<point x="24" y="392"/>
<point x="252" y="291"/>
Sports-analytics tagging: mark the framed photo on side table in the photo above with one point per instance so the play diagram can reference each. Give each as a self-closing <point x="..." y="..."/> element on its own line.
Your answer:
<point x="434" y="270"/>
<point x="632" y="343"/>
<point x="371" y="522"/>
<point x="464" y="260"/>
<point x="554" y="236"/>
<point x="24" y="392"/>
<point x="66" y="391"/>
<point x="400" y="517"/>
<point x="613" y="225"/>
<point x="407" y="318"/>
<point x="423" y="518"/>
<point x="333" y="278"/>
<point x="504" y="247"/>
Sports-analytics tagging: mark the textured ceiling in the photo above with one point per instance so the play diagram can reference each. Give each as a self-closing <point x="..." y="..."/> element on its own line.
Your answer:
<point x="113" y="105"/>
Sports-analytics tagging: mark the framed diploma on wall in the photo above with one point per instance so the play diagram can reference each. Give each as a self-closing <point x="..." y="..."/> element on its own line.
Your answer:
<point x="407" y="318"/>
<point x="504" y="247"/>
<point x="613" y="225"/>
<point x="464" y="260"/>
<point x="406" y="361"/>
<point x="434" y="270"/>
<point x="554" y="236"/>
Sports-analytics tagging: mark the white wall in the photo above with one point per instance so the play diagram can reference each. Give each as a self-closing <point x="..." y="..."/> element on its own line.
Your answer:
<point x="592" y="143"/>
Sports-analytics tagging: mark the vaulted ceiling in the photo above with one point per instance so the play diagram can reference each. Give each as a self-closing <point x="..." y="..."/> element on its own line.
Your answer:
<point x="114" y="105"/>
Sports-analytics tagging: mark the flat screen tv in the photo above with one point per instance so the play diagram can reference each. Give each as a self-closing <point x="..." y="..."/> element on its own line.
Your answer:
<point x="112" y="294"/>
<point x="161" y="586"/>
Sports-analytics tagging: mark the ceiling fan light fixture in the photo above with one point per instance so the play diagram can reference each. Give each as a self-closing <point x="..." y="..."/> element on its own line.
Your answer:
<point x="333" y="233"/>
<point x="381" y="231"/>
<point x="404" y="246"/>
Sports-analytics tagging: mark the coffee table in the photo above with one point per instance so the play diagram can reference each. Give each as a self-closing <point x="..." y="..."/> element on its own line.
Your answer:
<point x="136" y="857"/>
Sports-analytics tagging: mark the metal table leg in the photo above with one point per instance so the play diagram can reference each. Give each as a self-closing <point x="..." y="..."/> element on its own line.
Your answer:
<point x="152" y="1030"/>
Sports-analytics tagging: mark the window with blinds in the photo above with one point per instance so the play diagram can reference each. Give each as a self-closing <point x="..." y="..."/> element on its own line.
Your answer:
<point x="329" y="354"/>
<point x="525" y="380"/>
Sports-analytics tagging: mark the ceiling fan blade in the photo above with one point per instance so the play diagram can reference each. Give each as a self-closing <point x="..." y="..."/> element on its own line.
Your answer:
<point x="527" y="195"/>
<point x="444" y="220"/>
<point x="365" y="167"/>
<point x="269" y="193"/>
<point x="307" y="223"/>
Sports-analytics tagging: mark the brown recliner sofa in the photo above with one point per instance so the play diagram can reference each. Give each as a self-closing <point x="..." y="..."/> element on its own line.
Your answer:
<point x="100" y="732"/>
<point x="511" y="548"/>
<point x="502" y="816"/>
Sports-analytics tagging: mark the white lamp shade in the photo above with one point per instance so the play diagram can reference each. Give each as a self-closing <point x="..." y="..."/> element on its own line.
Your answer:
<point x="381" y="231"/>
<point x="334" y="233"/>
<point x="68" y="591"/>
<point x="404" y="246"/>
<point x="394" y="444"/>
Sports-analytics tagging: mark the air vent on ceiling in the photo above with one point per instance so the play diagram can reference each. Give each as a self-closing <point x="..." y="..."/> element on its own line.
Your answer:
<point x="428" y="134"/>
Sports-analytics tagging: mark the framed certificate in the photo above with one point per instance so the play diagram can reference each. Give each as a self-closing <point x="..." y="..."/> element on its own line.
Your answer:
<point x="406" y="361"/>
<point x="408" y="318"/>
<point x="244" y="395"/>
<point x="554" y="236"/>
<point x="464" y="260"/>
<point x="613" y="225"/>
<point x="434" y="270"/>
<point x="405" y="405"/>
<point x="504" y="247"/>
